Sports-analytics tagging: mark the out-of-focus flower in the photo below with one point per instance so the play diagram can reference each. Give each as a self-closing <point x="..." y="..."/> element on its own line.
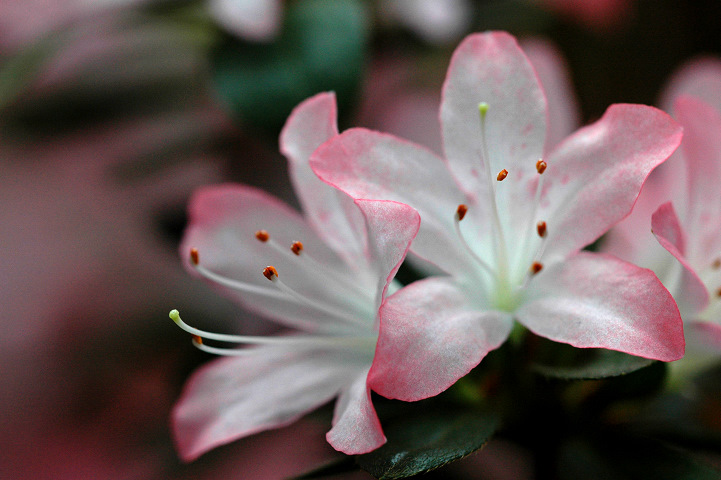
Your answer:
<point x="254" y="20"/>
<point x="330" y="287"/>
<point x="435" y="21"/>
<point x="516" y="256"/>
<point x="681" y="203"/>
<point x="700" y="78"/>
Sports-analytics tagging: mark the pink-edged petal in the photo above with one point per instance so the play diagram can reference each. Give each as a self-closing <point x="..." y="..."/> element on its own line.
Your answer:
<point x="594" y="176"/>
<point x="690" y="292"/>
<point x="700" y="78"/>
<point x="233" y="397"/>
<point x="255" y="20"/>
<point x="372" y="165"/>
<point x="701" y="148"/>
<point x="331" y="212"/>
<point x="598" y="301"/>
<point x="356" y="428"/>
<point x="429" y="338"/>
<point x="392" y="226"/>
<point x="491" y="68"/>
<point x="554" y="75"/>
<point x="222" y="226"/>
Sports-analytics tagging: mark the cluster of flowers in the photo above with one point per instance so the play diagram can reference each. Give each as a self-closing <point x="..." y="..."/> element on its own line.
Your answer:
<point x="501" y="221"/>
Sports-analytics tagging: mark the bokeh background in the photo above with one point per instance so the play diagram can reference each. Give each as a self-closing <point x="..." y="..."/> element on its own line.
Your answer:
<point x="113" y="111"/>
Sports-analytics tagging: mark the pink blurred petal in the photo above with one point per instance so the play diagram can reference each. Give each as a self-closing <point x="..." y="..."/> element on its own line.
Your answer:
<point x="598" y="301"/>
<point x="430" y="337"/>
<point x="255" y="20"/>
<point x="700" y="78"/>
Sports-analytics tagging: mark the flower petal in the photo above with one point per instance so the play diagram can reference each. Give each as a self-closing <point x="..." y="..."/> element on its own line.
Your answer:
<point x="328" y="210"/>
<point x="700" y="78"/>
<point x="223" y="222"/>
<point x="391" y="229"/>
<point x="553" y="73"/>
<point x="690" y="294"/>
<point x="701" y="148"/>
<point x="356" y="428"/>
<point x="598" y="301"/>
<point x="491" y="68"/>
<point x="255" y="20"/>
<point x="234" y="397"/>
<point x="372" y="165"/>
<point x="429" y="338"/>
<point x="594" y="176"/>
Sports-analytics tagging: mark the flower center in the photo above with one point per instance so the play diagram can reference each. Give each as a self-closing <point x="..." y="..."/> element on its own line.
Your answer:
<point x="511" y="265"/>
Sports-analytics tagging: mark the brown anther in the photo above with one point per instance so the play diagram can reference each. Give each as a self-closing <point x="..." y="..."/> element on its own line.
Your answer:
<point x="270" y="273"/>
<point x="541" y="166"/>
<point x="502" y="175"/>
<point x="194" y="256"/>
<point x="262" y="235"/>
<point x="296" y="247"/>
<point x="536" y="267"/>
<point x="541" y="229"/>
<point x="718" y="292"/>
<point x="197" y="339"/>
<point x="716" y="264"/>
<point x="461" y="211"/>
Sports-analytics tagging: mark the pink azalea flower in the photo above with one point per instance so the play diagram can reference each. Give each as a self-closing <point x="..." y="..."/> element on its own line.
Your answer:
<point x="329" y="287"/>
<point x="255" y="20"/>
<point x="681" y="203"/>
<point x="507" y="227"/>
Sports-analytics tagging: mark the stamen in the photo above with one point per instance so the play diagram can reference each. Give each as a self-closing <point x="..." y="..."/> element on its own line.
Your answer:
<point x="541" y="229"/>
<point x="541" y="166"/>
<point x="460" y="213"/>
<point x="262" y="235"/>
<point x="296" y="247"/>
<point x="499" y="240"/>
<point x="229" y="282"/>
<point x="270" y="273"/>
<point x="718" y="292"/>
<point x="536" y="267"/>
<point x="194" y="256"/>
<point x="716" y="264"/>
<point x="502" y="175"/>
<point x="299" y="341"/>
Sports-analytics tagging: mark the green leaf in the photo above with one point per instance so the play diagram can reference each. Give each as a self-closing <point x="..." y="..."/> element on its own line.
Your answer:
<point x="593" y="364"/>
<point x="322" y="47"/>
<point x="422" y="443"/>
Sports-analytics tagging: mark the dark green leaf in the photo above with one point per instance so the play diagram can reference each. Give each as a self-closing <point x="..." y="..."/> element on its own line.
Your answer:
<point x="596" y="364"/>
<point x="419" y="444"/>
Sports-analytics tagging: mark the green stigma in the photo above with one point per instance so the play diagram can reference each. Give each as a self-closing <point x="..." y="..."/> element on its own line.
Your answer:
<point x="174" y="315"/>
<point x="483" y="109"/>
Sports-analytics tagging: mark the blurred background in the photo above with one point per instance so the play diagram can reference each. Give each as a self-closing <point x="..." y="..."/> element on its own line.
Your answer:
<point x="113" y="111"/>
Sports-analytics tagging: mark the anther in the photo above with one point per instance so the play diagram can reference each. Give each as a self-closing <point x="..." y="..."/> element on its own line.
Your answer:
<point x="198" y="339"/>
<point x="502" y="175"/>
<point x="194" y="256"/>
<point x="461" y="212"/>
<point x="270" y="273"/>
<point x="296" y="247"/>
<point x="262" y="235"/>
<point x="716" y="264"/>
<point x="541" y="229"/>
<point x="536" y="267"/>
<point x="718" y="292"/>
<point x="541" y="166"/>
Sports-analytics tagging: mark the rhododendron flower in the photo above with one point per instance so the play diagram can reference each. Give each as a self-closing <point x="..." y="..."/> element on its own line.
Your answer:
<point x="681" y="203"/>
<point x="327" y="274"/>
<point x="508" y="227"/>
